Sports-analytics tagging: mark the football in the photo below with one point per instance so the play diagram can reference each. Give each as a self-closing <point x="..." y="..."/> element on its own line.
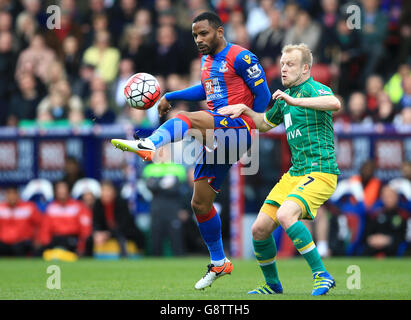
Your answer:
<point x="142" y="91"/>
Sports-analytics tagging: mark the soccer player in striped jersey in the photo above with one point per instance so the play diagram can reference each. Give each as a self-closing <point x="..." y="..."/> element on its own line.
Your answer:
<point x="306" y="109"/>
<point x="230" y="74"/>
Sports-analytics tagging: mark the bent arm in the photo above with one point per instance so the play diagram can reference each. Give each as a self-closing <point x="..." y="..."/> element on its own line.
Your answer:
<point x="260" y="123"/>
<point x="262" y="96"/>
<point x="324" y="103"/>
<point x="321" y="103"/>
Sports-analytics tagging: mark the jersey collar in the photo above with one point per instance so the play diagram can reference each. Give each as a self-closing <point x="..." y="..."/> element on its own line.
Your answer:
<point x="298" y="87"/>
<point x="222" y="52"/>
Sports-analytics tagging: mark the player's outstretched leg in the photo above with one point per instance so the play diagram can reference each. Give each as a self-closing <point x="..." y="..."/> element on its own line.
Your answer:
<point x="304" y="243"/>
<point x="170" y="131"/>
<point x="265" y="251"/>
<point x="144" y="148"/>
<point x="209" y="224"/>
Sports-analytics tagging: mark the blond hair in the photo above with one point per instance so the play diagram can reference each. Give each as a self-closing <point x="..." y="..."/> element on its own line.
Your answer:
<point x="307" y="56"/>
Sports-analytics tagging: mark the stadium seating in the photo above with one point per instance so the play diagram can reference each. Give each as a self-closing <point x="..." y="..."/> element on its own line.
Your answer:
<point x="40" y="191"/>
<point x="86" y="185"/>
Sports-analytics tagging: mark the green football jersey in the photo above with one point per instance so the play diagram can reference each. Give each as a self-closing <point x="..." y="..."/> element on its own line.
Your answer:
<point x="310" y="133"/>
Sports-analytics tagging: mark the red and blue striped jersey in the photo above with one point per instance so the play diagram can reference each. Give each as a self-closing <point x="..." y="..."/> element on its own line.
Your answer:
<point x="233" y="76"/>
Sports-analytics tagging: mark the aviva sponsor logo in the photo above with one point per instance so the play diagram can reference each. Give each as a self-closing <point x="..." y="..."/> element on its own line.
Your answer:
<point x="291" y="134"/>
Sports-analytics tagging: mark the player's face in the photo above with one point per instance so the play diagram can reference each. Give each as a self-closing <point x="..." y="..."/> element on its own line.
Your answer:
<point x="12" y="196"/>
<point x="61" y="192"/>
<point x="206" y="37"/>
<point x="292" y="69"/>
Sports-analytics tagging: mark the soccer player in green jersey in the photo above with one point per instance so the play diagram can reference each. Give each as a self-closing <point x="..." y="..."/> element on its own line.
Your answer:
<point x="306" y="109"/>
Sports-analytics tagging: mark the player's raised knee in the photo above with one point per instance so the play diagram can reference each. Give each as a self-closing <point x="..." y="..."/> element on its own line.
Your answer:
<point x="197" y="120"/>
<point x="183" y="113"/>
<point x="184" y="116"/>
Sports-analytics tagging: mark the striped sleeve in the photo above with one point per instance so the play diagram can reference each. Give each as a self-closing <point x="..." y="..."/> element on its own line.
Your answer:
<point x="317" y="89"/>
<point x="274" y="116"/>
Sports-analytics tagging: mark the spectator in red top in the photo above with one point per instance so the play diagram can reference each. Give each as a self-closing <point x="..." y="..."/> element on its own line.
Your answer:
<point x="19" y="225"/>
<point x="112" y="219"/>
<point x="225" y="7"/>
<point x="67" y="222"/>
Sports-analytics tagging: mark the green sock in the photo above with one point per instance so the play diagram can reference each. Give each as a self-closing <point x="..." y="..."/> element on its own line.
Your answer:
<point x="304" y="243"/>
<point x="265" y="251"/>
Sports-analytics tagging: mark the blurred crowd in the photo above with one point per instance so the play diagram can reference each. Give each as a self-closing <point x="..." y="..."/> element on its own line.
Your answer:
<point x="75" y="215"/>
<point x="79" y="216"/>
<point x="74" y="74"/>
<point x="367" y="216"/>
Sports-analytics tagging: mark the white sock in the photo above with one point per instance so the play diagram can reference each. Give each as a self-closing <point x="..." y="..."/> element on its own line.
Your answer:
<point x="218" y="263"/>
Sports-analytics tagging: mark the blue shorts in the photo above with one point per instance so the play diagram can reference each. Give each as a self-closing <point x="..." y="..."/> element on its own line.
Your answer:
<point x="232" y="139"/>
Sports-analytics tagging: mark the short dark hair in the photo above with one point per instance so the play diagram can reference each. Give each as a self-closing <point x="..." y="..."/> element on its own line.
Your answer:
<point x="61" y="181"/>
<point x="212" y="18"/>
<point x="11" y="187"/>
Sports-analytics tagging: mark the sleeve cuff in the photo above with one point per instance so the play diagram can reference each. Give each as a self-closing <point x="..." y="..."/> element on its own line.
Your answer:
<point x="273" y="125"/>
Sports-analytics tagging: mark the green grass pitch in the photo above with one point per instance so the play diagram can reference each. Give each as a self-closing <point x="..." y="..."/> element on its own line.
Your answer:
<point x="174" y="279"/>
